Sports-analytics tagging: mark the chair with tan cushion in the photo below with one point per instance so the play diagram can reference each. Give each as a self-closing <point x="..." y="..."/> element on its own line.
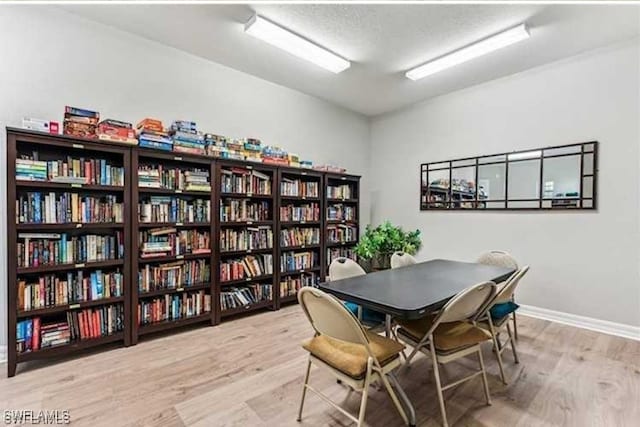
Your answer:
<point x="401" y="259"/>
<point x="450" y="334"/>
<point x="493" y="323"/>
<point x="501" y="259"/>
<point x="345" y="349"/>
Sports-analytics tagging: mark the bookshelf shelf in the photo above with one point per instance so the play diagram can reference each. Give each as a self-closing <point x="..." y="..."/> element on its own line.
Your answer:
<point x="67" y="267"/>
<point x="296" y="205"/>
<point x="247" y="308"/>
<point x="73" y="347"/>
<point x="245" y="252"/>
<point x="68" y="226"/>
<point x="171" y="324"/>
<point x="191" y="288"/>
<point x="73" y="306"/>
<point x="64" y="186"/>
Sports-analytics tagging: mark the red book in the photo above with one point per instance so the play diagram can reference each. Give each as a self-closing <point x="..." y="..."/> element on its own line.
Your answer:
<point x="96" y="324"/>
<point x="81" y="325"/>
<point x="35" y="340"/>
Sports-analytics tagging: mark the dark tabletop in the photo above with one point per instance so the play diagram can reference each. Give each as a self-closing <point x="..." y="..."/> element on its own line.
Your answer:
<point x="410" y="292"/>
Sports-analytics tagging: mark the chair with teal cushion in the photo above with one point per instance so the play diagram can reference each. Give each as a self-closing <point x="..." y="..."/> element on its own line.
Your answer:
<point x="344" y="268"/>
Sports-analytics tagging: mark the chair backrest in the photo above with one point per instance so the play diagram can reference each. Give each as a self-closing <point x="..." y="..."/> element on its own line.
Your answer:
<point x="499" y="259"/>
<point x="505" y="293"/>
<point x="344" y="268"/>
<point x="329" y="317"/>
<point x="467" y="304"/>
<point x="401" y="259"/>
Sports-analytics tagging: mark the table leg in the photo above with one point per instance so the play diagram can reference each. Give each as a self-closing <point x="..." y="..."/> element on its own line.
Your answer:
<point x="387" y="325"/>
<point x="404" y="400"/>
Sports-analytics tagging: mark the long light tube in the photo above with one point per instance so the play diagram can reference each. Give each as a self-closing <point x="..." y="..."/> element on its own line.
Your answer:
<point x="284" y="39"/>
<point x="490" y="44"/>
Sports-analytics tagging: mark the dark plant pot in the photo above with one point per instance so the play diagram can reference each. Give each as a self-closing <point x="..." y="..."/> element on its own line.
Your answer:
<point x="381" y="262"/>
<point x="365" y="264"/>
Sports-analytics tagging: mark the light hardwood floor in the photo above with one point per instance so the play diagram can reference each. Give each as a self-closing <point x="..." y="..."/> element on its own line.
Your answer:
<point x="248" y="372"/>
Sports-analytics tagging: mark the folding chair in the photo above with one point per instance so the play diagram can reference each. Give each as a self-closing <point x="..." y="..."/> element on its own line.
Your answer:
<point x="401" y="259"/>
<point x="345" y="349"/>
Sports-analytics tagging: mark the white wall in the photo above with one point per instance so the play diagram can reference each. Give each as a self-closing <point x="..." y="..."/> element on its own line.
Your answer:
<point x="50" y="58"/>
<point x="584" y="263"/>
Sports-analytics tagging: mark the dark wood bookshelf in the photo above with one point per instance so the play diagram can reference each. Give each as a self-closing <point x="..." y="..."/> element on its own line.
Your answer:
<point x="148" y="157"/>
<point x="353" y="200"/>
<point x="300" y="199"/>
<point x="58" y="147"/>
<point x="130" y="157"/>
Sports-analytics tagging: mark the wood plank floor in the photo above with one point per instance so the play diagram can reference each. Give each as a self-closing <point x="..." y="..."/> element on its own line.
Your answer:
<point x="248" y="372"/>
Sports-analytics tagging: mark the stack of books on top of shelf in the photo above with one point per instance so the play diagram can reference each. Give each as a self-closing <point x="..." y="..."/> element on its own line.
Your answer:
<point x="275" y="155"/>
<point x="116" y="131"/>
<point x="329" y="168"/>
<point x="80" y="123"/>
<point x="252" y="150"/>
<point x="235" y="148"/>
<point x="216" y="145"/>
<point x="197" y="180"/>
<point x="186" y="138"/>
<point x="151" y="134"/>
<point x="31" y="170"/>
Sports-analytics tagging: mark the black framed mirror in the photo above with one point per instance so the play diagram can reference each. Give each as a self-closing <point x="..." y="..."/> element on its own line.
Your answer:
<point x="552" y="178"/>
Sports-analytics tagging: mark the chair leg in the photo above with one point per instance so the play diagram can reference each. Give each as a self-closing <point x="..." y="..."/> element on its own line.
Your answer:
<point x="436" y="374"/>
<point x="484" y="377"/>
<point x="394" y="398"/>
<point x="513" y="344"/>
<point x="365" y="394"/>
<point x="497" y="351"/>
<point x="515" y="326"/>
<point x="304" y="390"/>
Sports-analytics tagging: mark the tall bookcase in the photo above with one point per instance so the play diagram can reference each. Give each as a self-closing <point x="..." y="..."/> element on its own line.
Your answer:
<point x="245" y="193"/>
<point x="300" y="231"/>
<point x="162" y="239"/>
<point x="173" y="287"/>
<point x="341" y="216"/>
<point x="68" y="245"/>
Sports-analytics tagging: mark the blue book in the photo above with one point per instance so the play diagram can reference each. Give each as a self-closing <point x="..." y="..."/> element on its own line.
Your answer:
<point x="29" y="333"/>
<point x="103" y="171"/>
<point x="99" y="285"/>
<point x="62" y="252"/>
<point x="37" y="214"/>
<point x="94" y="287"/>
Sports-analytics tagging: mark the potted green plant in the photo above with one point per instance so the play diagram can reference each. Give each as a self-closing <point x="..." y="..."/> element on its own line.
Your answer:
<point x="376" y="245"/>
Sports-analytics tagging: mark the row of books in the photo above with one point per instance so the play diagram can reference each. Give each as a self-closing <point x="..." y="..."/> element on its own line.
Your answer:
<point x="299" y="188"/>
<point x="157" y="176"/>
<point x="236" y="297"/>
<point x="290" y="285"/>
<point x="173" y="307"/>
<point x="169" y="241"/>
<point x="69" y="171"/>
<point x="33" y="334"/>
<point x="294" y="261"/>
<point x="173" y="275"/>
<point x="245" y="181"/>
<point x="341" y="212"/>
<point x="298" y="236"/>
<point x="305" y="212"/>
<point x="342" y="233"/>
<point x="244" y="210"/>
<point x="52" y="208"/>
<point x="38" y="249"/>
<point x="334" y="253"/>
<point x="72" y="287"/>
<point x="344" y="191"/>
<point x="232" y="239"/>
<point x="174" y="209"/>
<point x="245" y="267"/>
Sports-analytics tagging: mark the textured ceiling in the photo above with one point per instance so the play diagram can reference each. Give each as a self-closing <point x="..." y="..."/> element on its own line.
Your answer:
<point x="382" y="41"/>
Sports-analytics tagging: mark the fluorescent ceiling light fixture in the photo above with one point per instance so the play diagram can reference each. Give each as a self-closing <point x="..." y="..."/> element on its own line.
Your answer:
<point x="284" y="39"/>
<point x="470" y="52"/>
<point x="526" y="155"/>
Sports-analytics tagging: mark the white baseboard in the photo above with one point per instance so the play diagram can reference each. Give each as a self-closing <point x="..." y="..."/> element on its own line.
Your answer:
<point x="597" y="325"/>
<point x="3" y="353"/>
